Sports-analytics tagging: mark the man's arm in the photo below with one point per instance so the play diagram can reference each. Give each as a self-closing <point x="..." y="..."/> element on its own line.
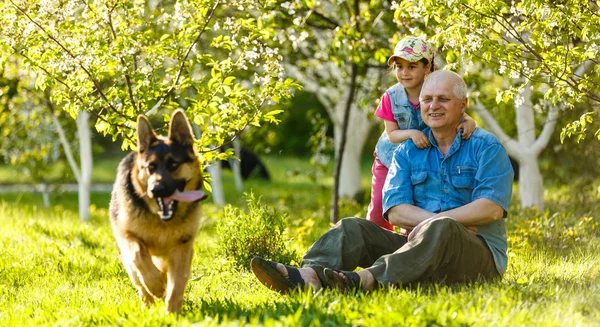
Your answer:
<point x="407" y="216"/>
<point x="479" y="212"/>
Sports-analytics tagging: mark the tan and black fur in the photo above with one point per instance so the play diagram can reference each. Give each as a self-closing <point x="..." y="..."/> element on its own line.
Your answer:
<point x="155" y="238"/>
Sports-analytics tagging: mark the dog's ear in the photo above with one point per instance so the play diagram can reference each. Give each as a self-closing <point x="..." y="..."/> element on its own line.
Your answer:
<point x="146" y="135"/>
<point x="180" y="130"/>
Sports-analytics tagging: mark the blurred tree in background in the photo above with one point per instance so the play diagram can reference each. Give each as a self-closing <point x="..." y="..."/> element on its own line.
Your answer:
<point x="532" y="65"/>
<point x="337" y="50"/>
<point x="118" y="59"/>
<point x="28" y="138"/>
<point x="542" y="57"/>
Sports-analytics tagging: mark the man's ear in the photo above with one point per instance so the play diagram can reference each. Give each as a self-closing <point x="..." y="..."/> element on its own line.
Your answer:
<point x="180" y="130"/>
<point x="146" y="135"/>
<point x="464" y="104"/>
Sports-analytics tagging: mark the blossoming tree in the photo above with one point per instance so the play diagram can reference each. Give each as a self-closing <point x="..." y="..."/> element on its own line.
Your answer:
<point x="546" y="55"/>
<point x="117" y="59"/>
<point x="337" y="50"/>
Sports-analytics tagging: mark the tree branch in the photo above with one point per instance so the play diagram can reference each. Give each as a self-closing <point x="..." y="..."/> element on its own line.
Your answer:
<point x="542" y="140"/>
<point x="66" y="148"/>
<point x="507" y="25"/>
<point x="327" y="19"/>
<point x="172" y="87"/>
<point x="122" y="60"/>
<point x="237" y="134"/>
<point x="510" y="144"/>
<point x="96" y="83"/>
<point x="70" y="90"/>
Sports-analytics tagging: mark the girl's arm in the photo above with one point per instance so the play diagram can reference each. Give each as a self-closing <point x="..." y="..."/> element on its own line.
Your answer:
<point x="468" y="126"/>
<point x="397" y="135"/>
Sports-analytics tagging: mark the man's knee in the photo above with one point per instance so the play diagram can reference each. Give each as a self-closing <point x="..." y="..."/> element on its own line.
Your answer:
<point x="350" y="222"/>
<point x="442" y="225"/>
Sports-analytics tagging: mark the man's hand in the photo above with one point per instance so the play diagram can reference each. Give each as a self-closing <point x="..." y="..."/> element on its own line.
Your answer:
<point x="417" y="228"/>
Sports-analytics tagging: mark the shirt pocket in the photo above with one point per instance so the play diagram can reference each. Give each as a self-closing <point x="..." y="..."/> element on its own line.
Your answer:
<point x="463" y="180"/>
<point x="418" y="180"/>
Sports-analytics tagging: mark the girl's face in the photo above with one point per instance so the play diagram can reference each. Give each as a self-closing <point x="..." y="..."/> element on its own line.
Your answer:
<point x="411" y="74"/>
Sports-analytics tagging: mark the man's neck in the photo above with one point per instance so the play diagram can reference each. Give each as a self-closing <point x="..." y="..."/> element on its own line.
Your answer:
<point x="444" y="140"/>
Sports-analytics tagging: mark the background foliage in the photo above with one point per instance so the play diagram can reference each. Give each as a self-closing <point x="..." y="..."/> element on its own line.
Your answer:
<point x="552" y="46"/>
<point x="119" y="59"/>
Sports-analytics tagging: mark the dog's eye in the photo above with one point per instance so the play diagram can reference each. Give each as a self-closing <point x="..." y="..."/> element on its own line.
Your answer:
<point x="173" y="165"/>
<point x="151" y="167"/>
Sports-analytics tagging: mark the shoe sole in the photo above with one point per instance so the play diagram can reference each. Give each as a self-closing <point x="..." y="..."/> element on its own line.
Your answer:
<point x="269" y="276"/>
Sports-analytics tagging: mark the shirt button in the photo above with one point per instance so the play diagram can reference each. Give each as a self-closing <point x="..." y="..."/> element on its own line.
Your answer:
<point x="446" y="190"/>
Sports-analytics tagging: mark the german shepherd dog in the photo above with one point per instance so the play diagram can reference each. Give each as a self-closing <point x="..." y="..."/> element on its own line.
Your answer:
<point x="154" y="210"/>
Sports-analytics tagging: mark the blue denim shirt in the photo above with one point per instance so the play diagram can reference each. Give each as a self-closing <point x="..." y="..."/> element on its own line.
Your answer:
<point x="472" y="169"/>
<point x="406" y="117"/>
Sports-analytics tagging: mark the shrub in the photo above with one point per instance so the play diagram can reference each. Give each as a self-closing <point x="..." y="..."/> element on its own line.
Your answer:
<point x="259" y="232"/>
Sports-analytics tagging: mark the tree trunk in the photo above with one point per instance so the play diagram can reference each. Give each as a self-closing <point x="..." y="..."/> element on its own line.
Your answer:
<point x="85" y="153"/>
<point x="350" y="174"/>
<point x="214" y="170"/>
<point x="236" y="166"/>
<point x="531" y="185"/>
<point x="216" y="184"/>
<point x="83" y="175"/>
<point x="530" y="179"/>
<point x="360" y="120"/>
<point x="527" y="149"/>
<point x="342" y="132"/>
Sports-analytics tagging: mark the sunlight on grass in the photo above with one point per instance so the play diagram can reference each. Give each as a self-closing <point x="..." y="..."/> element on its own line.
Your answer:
<point x="57" y="271"/>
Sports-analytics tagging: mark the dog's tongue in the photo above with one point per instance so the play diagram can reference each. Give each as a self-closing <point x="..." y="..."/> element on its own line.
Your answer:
<point x="187" y="196"/>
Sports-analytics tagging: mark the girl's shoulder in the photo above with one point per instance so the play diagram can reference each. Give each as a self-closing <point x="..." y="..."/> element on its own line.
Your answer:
<point x="398" y="94"/>
<point x="395" y="88"/>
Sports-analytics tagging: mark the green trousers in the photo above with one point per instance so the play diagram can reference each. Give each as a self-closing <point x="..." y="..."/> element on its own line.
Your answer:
<point x="443" y="250"/>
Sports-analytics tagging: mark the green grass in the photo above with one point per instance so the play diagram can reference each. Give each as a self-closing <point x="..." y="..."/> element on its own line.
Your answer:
<point x="57" y="271"/>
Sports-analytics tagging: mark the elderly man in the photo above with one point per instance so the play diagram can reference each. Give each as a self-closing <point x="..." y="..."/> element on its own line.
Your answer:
<point x="453" y="197"/>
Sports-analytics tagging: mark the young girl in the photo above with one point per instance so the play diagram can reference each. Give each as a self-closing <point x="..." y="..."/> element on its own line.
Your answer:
<point x="399" y="108"/>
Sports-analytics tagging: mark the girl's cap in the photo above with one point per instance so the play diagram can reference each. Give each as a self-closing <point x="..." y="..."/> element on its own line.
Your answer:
<point x="412" y="49"/>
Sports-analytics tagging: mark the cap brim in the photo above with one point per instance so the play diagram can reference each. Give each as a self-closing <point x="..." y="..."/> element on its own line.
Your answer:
<point x="410" y="57"/>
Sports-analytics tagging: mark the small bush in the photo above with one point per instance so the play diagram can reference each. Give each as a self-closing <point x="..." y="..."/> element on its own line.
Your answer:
<point x="259" y="232"/>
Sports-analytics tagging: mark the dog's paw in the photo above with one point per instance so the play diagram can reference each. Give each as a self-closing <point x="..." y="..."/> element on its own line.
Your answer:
<point x="157" y="286"/>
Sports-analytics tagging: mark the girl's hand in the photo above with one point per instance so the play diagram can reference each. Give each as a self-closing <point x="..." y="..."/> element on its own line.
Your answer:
<point x="420" y="139"/>
<point x="468" y="126"/>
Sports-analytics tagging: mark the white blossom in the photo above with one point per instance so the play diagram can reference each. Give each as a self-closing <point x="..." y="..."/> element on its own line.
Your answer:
<point x="473" y="42"/>
<point x="502" y="68"/>
<point x="519" y="100"/>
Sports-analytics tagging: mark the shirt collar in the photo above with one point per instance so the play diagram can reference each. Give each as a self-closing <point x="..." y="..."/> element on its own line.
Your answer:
<point x="455" y="144"/>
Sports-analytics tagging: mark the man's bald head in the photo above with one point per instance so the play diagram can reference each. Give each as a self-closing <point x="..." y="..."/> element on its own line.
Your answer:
<point x="460" y="87"/>
<point x="443" y="101"/>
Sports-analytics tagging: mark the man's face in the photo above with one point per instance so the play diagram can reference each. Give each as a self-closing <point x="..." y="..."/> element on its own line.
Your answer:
<point x="440" y="108"/>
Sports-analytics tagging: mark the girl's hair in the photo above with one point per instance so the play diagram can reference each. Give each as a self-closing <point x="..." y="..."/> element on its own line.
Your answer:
<point x="425" y="62"/>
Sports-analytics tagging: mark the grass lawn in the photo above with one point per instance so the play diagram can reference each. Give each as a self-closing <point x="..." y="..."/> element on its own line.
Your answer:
<point x="57" y="271"/>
